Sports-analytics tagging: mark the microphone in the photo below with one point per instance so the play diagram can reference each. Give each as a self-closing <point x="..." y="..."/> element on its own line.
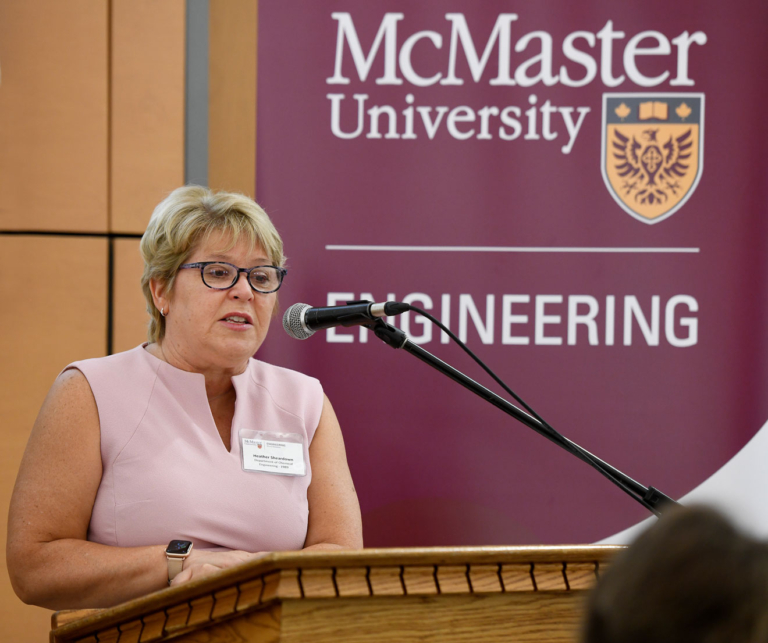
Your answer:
<point x="301" y="321"/>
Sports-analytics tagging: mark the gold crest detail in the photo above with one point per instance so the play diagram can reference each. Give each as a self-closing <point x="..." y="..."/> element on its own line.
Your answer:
<point x="652" y="151"/>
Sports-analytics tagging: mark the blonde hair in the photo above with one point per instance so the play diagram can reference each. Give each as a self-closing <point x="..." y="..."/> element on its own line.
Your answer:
<point x="188" y="216"/>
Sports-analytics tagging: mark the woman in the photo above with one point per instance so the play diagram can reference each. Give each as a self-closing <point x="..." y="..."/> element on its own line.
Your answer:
<point x="182" y="456"/>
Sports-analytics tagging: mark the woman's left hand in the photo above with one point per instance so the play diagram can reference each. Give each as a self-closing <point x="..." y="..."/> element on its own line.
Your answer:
<point x="204" y="563"/>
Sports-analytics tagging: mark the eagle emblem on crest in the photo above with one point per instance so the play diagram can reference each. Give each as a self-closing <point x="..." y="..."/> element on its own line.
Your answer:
<point x="652" y="151"/>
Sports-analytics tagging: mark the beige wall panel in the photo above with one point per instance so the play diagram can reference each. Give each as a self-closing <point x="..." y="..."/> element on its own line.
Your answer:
<point x="232" y="95"/>
<point x="55" y="315"/>
<point x="147" y="152"/>
<point x="130" y="310"/>
<point x="53" y="115"/>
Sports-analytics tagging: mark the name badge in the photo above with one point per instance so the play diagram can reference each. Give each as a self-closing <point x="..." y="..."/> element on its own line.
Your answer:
<point x="278" y="453"/>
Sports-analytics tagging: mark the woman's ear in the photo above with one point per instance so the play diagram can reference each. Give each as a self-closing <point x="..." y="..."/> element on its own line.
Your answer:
<point x="160" y="295"/>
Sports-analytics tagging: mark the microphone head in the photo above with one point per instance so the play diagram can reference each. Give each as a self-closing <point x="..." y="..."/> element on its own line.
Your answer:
<point x="293" y="322"/>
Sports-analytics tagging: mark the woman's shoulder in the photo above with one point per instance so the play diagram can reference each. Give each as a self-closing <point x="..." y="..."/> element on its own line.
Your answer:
<point x="265" y="373"/>
<point x="287" y="387"/>
<point x="120" y="379"/>
<point x="71" y="383"/>
<point x="125" y="363"/>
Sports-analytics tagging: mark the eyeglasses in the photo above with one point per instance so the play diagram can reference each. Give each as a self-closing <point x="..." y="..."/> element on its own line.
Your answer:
<point x="222" y="276"/>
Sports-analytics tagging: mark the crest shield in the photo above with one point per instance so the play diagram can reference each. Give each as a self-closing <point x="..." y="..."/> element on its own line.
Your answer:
<point x="653" y="151"/>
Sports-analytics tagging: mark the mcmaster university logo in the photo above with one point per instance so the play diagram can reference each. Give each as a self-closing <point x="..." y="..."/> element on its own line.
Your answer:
<point x="653" y="151"/>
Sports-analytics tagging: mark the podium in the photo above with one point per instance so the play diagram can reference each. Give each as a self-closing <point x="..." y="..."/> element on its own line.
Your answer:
<point x="447" y="594"/>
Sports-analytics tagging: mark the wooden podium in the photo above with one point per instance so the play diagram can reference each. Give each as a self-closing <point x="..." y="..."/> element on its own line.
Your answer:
<point x="366" y="596"/>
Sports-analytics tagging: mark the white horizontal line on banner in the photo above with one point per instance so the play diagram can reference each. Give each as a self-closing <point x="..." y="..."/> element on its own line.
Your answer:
<point x="510" y="249"/>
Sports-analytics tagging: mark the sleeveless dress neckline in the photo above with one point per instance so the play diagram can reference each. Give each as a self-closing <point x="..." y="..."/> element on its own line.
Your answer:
<point x="197" y="380"/>
<point x="165" y="472"/>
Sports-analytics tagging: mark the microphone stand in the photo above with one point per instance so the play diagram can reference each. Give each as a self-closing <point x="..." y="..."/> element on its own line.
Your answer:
<point x="649" y="497"/>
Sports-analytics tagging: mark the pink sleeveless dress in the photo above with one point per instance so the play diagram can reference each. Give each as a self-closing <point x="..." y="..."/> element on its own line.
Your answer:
<point x="166" y="473"/>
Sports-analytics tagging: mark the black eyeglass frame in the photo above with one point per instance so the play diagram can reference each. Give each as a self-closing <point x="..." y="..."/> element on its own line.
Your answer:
<point x="202" y="265"/>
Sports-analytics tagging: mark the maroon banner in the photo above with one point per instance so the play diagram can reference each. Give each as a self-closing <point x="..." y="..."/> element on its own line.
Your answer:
<point x="578" y="192"/>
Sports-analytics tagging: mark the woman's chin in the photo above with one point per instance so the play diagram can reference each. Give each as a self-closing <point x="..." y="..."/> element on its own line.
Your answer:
<point x="237" y="349"/>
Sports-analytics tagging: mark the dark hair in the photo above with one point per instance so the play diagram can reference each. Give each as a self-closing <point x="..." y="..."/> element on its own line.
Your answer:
<point x="690" y="578"/>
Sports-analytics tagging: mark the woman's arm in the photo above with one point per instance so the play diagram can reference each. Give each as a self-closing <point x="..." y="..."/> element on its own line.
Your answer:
<point x="49" y="560"/>
<point x="334" y="512"/>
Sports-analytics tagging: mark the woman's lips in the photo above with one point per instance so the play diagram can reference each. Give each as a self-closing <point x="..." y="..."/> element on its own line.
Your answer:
<point x="242" y="317"/>
<point x="237" y="321"/>
<point x="234" y="326"/>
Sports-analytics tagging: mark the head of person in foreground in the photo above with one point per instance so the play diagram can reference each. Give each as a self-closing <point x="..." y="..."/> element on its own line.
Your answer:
<point x="690" y="578"/>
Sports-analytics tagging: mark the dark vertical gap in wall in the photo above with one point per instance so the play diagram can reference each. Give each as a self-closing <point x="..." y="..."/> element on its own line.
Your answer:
<point x="196" y="94"/>
<point x="110" y="295"/>
<point x="110" y="241"/>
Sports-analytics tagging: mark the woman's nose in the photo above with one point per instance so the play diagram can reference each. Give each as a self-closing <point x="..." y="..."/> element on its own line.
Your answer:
<point x="242" y="289"/>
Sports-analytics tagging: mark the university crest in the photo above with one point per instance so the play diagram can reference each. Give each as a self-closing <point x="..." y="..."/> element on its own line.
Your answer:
<point x="653" y="151"/>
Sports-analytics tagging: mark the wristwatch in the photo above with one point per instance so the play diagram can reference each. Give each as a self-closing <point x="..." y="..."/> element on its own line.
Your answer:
<point x="176" y="552"/>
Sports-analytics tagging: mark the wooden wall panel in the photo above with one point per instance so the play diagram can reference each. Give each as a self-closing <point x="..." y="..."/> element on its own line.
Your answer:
<point x="232" y="95"/>
<point x="53" y="115"/>
<point x="91" y="138"/>
<point x="129" y="306"/>
<point x="54" y="311"/>
<point x="147" y="115"/>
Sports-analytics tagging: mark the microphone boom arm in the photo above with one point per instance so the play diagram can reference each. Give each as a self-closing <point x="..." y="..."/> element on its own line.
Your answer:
<point x="649" y="497"/>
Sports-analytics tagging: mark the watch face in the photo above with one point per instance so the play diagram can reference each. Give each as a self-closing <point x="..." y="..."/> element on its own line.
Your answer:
<point x="178" y="547"/>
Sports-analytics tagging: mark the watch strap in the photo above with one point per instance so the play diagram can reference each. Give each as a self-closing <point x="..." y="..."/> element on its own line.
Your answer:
<point x="176" y="553"/>
<point x="175" y="565"/>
